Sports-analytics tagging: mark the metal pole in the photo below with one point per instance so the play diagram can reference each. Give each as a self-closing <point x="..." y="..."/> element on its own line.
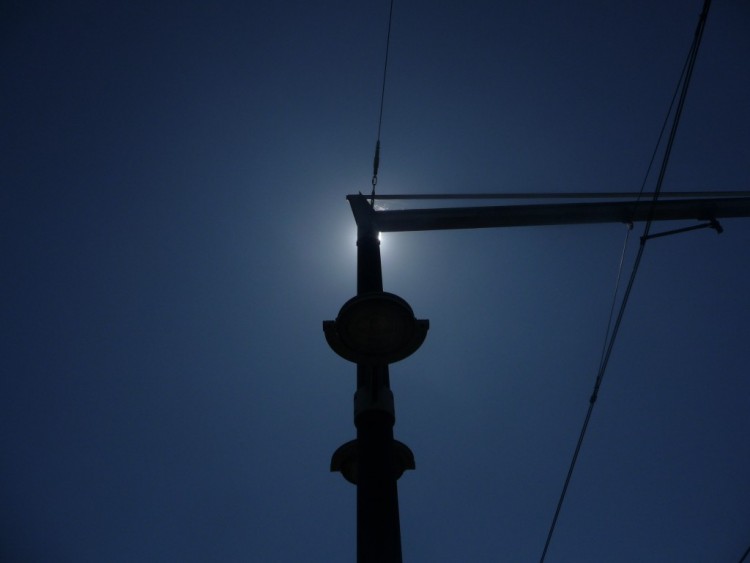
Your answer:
<point x="378" y="527"/>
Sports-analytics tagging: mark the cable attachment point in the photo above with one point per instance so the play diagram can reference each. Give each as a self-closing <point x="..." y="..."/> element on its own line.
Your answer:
<point x="376" y="163"/>
<point x="375" y="166"/>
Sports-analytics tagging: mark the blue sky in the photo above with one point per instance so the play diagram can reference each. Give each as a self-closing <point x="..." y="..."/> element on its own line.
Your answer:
<point x="174" y="230"/>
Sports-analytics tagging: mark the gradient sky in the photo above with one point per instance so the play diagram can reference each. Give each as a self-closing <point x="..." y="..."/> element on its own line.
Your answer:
<point x="174" y="230"/>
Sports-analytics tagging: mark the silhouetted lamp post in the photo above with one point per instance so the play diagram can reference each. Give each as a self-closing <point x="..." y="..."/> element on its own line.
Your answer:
<point x="375" y="329"/>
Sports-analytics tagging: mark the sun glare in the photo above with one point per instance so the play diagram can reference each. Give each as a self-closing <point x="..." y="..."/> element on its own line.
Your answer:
<point x="387" y="246"/>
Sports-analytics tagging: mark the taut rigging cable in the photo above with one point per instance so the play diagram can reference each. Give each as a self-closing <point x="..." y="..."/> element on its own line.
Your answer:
<point x="376" y="159"/>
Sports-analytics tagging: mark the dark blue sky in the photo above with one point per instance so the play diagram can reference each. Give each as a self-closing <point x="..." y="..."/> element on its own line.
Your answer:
<point x="174" y="230"/>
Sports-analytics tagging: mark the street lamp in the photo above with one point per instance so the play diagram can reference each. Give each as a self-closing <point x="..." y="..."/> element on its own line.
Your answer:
<point x="375" y="328"/>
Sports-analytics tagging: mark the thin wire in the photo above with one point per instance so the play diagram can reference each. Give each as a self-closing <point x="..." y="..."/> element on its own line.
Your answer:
<point x="641" y="193"/>
<point x="385" y="68"/>
<point x="376" y="160"/>
<point x="602" y="363"/>
<point x="612" y="307"/>
<point x="623" y="304"/>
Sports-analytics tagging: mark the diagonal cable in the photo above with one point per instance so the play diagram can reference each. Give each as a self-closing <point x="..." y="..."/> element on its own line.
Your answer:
<point x="376" y="160"/>
<point x="685" y="78"/>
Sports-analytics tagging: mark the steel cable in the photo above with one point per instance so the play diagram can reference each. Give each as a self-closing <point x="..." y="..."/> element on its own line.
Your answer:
<point x="609" y="346"/>
<point x="376" y="159"/>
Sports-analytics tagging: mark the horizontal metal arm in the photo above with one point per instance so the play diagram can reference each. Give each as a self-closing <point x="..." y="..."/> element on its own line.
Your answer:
<point x="644" y="196"/>
<point x="386" y="221"/>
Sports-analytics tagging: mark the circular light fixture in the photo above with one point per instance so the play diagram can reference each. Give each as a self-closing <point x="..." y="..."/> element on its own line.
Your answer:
<point x="375" y="328"/>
